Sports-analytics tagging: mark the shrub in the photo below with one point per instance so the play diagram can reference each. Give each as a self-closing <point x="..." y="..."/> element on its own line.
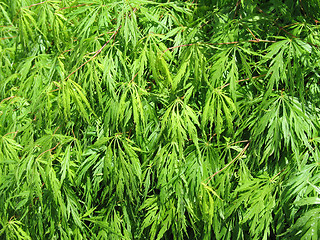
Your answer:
<point x="139" y="119"/>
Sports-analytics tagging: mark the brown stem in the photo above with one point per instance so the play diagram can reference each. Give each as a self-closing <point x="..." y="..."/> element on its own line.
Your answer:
<point x="15" y="134"/>
<point x="32" y="5"/>
<point x="257" y="40"/>
<point x="245" y="79"/>
<point x="8" y="98"/>
<point x="95" y="53"/>
<point x="49" y="150"/>
<point x="7" y="38"/>
<point x="282" y="29"/>
<point x="239" y="155"/>
<point x="134" y="77"/>
<point x="80" y="5"/>
<point x="277" y="175"/>
<point x="55" y="130"/>
<point x="237" y="8"/>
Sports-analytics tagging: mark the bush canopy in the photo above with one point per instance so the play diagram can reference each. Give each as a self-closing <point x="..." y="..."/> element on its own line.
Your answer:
<point x="138" y="119"/>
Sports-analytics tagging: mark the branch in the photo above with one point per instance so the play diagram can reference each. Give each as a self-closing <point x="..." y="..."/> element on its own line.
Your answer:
<point x="80" y="5"/>
<point x="257" y="40"/>
<point x="239" y="155"/>
<point x="271" y="180"/>
<point x="282" y="28"/>
<point x="7" y="38"/>
<point x="8" y="98"/>
<point x="115" y="33"/>
<point x="170" y="48"/>
<point x="238" y="4"/>
<point x="49" y="150"/>
<point x="15" y="134"/>
<point x="32" y="5"/>
<point x="245" y="79"/>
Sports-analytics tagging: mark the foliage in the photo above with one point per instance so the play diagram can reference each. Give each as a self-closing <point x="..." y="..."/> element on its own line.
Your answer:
<point x="138" y="119"/>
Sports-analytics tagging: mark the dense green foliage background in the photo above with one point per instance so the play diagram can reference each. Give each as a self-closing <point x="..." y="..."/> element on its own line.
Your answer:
<point x="138" y="119"/>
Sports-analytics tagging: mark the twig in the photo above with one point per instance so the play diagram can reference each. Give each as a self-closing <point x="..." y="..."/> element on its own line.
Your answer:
<point x="271" y="180"/>
<point x="28" y="7"/>
<point x="239" y="155"/>
<point x="302" y="8"/>
<point x="292" y="24"/>
<point x="134" y="77"/>
<point x="69" y="50"/>
<point x="55" y="130"/>
<point x="115" y="33"/>
<point x="74" y="136"/>
<point x="7" y="38"/>
<point x="32" y="5"/>
<point x="8" y="98"/>
<point x="238" y="142"/>
<point x="57" y="89"/>
<point x="282" y="28"/>
<point x="212" y="137"/>
<point x="15" y="134"/>
<point x="95" y="53"/>
<point x="51" y="149"/>
<point x="80" y="5"/>
<point x="245" y="79"/>
<point x="170" y="48"/>
<point x="257" y="40"/>
<point x="237" y="7"/>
